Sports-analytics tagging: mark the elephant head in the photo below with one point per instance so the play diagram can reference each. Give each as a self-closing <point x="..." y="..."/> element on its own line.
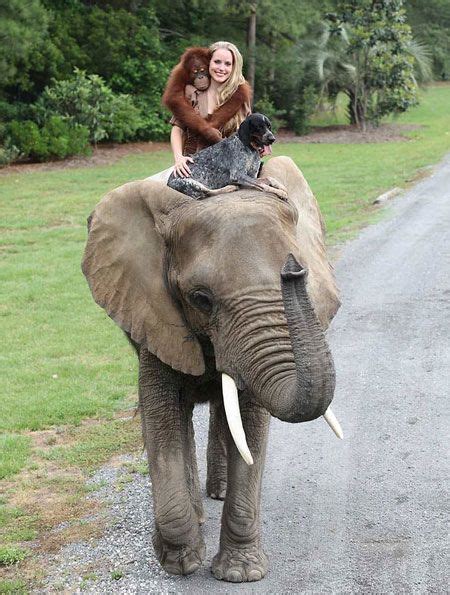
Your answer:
<point x="245" y="271"/>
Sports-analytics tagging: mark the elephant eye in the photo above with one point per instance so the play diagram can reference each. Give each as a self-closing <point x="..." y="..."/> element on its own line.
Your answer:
<point x="201" y="300"/>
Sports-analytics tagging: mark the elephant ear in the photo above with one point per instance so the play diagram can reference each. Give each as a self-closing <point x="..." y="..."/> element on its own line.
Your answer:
<point x="322" y="287"/>
<point x="124" y="266"/>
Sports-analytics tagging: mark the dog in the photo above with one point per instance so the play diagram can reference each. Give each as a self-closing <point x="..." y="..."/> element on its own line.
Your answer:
<point x="232" y="163"/>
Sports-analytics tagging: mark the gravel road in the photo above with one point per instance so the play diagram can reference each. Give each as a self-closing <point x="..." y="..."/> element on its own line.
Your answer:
<point x="362" y="515"/>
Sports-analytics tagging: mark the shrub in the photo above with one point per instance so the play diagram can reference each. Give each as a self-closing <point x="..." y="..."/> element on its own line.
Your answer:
<point x="125" y="119"/>
<point x="26" y="137"/>
<point x="303" y="110"/>
<point x="87" y="100"/>
<point x="56" y="139"/>
<point x="265" y="106"/>
<point x="8" y="154"/>
<point x="154" y="123"/>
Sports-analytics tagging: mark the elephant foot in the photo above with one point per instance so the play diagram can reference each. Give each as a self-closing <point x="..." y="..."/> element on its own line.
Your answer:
<point x="216" y="489"/>
<point x="239" y="565"/>
<point x="179" y="559"/>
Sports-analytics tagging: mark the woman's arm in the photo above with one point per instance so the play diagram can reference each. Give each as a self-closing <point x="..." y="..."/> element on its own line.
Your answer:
<point x="181" y="167"/>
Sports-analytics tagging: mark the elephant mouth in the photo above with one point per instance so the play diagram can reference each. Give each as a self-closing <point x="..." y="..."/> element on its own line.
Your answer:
<point x="233" y="414"/>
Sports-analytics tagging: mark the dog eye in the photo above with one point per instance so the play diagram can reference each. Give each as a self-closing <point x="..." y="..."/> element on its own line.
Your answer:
<point x="201" y="300"/>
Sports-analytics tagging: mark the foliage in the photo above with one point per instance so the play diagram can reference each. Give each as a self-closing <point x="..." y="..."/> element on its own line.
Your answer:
<point x="365" y="50"/>
<point x="304" y="109"/>
<point x="21" y="24"/>
<point x="56" y="139"/>
<point x="265" y="106"/>
<point x="430" y="24"/>
<point x="132" y="45"/>
<point x="86" y="100"/>
<point x="8" y="154"/>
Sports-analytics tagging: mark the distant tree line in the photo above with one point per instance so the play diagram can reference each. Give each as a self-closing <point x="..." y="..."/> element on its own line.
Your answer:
<point x="75" y="72"/>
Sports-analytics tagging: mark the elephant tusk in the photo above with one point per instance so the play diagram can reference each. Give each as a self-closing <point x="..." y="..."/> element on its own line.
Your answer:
<point x="231" y="404"/>
<point x="332" y="421"/>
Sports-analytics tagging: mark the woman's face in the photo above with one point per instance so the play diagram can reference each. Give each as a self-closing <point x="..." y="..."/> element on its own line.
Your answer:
<point x="221" y="65"/>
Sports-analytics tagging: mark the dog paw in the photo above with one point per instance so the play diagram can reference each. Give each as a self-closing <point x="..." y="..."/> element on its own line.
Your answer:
<point x="239" y="565"/>
<point x="179" y="559"/>
<point x="275" y="184"/>
<point x="282" y="194"/>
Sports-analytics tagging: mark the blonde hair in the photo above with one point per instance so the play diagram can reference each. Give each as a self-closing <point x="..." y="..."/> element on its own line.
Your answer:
<point x="235" y="79"/>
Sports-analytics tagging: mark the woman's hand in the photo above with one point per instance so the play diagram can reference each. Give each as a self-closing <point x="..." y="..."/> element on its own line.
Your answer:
<point x="181" y="167"/>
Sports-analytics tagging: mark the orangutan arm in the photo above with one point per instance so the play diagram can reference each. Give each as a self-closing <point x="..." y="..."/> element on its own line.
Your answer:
<point x="232" y="105"/>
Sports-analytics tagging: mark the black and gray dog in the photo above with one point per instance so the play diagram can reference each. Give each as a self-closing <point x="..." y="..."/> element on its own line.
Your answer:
<point x="232" y="163"/>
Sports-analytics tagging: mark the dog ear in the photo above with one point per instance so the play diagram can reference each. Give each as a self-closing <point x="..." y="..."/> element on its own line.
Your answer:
<point x="244" y="132"/>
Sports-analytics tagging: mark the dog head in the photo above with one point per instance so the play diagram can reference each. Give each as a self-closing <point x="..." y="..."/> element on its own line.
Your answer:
<point x="255" y="132"/>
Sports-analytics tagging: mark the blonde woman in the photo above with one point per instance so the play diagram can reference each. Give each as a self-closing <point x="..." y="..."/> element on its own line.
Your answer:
<point x="223" y="106"/>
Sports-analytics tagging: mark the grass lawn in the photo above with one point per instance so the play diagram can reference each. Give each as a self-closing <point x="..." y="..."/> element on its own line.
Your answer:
<point x="63" y="361"/>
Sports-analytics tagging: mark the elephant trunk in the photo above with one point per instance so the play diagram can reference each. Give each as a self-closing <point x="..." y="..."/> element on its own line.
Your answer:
<point x="308" y="394"/>
<point x="287" y="367"/>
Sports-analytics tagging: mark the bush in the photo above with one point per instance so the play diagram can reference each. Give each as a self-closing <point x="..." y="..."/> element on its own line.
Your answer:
<point x="57" y="139"/>
<point x="265" y="106"/>
<point x="154" y="124"/>
<point x="86" y="100"/>
<point x="26" y="137"/>
<point x="8" y="154"/>
<point x="303" y="110"/>
<point x="63" y="139"/>
<point x="124" y="121"/>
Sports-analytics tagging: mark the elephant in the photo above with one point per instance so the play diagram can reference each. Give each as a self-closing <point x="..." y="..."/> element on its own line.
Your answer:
<point x="231" y="293"/>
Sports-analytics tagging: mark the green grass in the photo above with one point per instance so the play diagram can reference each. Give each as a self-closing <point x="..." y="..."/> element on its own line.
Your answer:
<point x="14" y="453"/>
<point x="11" y="555"/>
<point x="99" y="443"/>
<point x="16" y="587"/>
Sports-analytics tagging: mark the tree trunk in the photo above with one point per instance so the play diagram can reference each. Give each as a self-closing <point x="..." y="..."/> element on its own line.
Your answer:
<point x="355" y="110"/>
<point x="251" y="46"/>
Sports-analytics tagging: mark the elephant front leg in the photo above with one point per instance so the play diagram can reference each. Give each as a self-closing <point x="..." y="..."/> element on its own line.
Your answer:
<point x="241" y="557"/>
<point x="177" y="538"/>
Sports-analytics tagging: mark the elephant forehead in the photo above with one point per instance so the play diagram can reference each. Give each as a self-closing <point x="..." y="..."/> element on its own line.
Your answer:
<point x="228" y="240"/>
<point x="220" y="219"/>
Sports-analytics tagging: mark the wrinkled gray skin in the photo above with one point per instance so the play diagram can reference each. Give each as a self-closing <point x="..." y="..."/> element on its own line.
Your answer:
<point x="152" y="257"/>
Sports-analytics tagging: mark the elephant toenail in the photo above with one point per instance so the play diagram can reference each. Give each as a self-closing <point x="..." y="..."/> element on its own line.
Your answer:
<point x="234" y="576"/>
<point x="254" y="575"/>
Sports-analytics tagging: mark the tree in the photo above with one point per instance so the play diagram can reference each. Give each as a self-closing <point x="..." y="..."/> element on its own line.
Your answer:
<point x="430" y="23"/>
<point x="23" y="23"/>
<point x="366" y="50"/>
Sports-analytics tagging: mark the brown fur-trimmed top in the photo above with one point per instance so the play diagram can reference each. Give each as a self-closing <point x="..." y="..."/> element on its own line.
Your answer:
<point x="175" y="100"/>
